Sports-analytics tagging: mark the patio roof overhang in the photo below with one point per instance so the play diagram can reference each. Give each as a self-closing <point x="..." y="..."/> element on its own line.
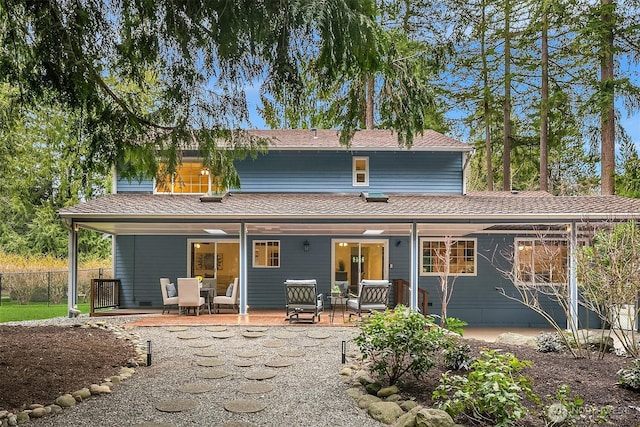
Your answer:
<point x="347" y="214"/>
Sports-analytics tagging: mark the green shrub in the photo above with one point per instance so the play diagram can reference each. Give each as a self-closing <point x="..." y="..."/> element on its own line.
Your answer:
<point x="549" y="342"/>
<point x="457" y="356"/>
<point x="491" y="392"/>
<point x="565" y="410"/>
<point x="454" y="325"/>
<point x="630" y="377"/>
<point x="399" y="342"/>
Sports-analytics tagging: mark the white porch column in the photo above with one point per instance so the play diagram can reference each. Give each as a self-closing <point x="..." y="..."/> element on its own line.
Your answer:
<point x="415" y="265"/>
<point x="243" y="268"/>
<point x="72" y="289"/>
<point x="572" y="321"/>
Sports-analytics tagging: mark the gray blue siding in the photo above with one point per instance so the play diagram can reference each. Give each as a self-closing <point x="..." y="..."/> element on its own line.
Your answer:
<point x="125" y="186"/>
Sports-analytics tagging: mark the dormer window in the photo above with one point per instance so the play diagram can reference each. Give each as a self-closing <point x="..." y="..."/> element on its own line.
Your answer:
<point x="360" y="171"/>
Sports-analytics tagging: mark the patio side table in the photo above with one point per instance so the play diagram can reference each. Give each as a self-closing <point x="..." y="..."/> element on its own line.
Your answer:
<point x="337" y="299"/>
<point x="208" y="293"/>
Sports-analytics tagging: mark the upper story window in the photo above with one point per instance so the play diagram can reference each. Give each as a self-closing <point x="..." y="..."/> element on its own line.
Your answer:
<point x="541" y="261"/>
<point x="190" y="178"/>
<point x="462" y="260"/>
<point x="266" y="254"/>
<point x="360" y="171"/>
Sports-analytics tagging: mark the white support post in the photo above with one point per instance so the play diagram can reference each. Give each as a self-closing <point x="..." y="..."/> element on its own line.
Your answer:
<point x="243" y="268"/>
<point x="415" y="265"/>
<point x="572" y="321"/>
<point x="72" y="289"/>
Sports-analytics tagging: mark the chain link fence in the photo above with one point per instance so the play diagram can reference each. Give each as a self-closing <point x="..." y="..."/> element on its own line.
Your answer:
<point x="48" y="286"/>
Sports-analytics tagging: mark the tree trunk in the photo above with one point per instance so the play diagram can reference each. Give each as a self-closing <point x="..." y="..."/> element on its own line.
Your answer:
<point x="506" y="155"/>
<point x="369" y="112"/>
<point x="544" y="104"/>
<point x="607" y="131"/>
<point x="485" y="102"/>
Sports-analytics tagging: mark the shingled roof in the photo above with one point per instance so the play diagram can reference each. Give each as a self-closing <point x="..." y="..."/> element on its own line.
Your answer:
<point x="301" y="206"/>
<point x="383" y="140"/>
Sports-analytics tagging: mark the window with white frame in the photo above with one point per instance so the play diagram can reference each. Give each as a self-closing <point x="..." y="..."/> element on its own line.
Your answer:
<point x="360" y="171"/>
<point x="266" y="253"/>
<point x="541" y="261"/>
<point x="458" y="255"/>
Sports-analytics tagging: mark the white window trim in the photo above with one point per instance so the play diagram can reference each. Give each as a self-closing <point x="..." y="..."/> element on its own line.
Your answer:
<point x="173" y="179"/>
<point x="516" y="261"/>
<point x="253" y="258"/>
<point x="442" y="239"/>
<point x="356" y="172"/>
<point x="384" y="242"/>
<point x="190" y="242"/>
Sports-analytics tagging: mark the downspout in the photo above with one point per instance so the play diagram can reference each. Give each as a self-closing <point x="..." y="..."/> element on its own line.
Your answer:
<point x="572" y="321"/>
<point x="243" y="269"/>
<point x="415" y="264"/>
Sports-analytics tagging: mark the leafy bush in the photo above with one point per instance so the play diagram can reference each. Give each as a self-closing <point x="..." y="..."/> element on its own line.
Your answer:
<point x="458" y="356"/>
<point x="566" y="410"/>
<point x="491" y="392"/>
<point x="454" y="325"/>
<point x="630" y="377"/>
<point x="398" y="342"/>
<point x="550" y="342"/>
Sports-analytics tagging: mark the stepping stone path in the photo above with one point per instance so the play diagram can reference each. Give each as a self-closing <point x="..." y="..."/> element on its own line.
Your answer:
<point x="260" y="374"/>
<point x="188" y="336"/>
<point x="253" y="334"/>
<point x="195" y="388"/>
<point x="177" y="328"/>
<point x="257" y="329"/>
<point x="256" y="388"/>
<point x="244" y="363"/>
<point x="249" y="354"/>
<point x="223" y="334"/>
<point x="245" y="406"/>
<point x="210" y="363"/>
<point x="310" y="344"/>
<point x="291" y="353"/>
<point x="199" y="344"/>
<point x="208" y="353"/>
<point x="278" y="363"/>
<point x="319" y="335"/>
<point x="274" y="344"/>
<point x="176" y="405"/>
<point x="284" y="335"/>
<point x="213" y="374"/>
<point x="215" y="328"/>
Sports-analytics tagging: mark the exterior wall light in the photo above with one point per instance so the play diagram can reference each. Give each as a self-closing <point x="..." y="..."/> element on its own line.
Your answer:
<point x="305" y="246"/>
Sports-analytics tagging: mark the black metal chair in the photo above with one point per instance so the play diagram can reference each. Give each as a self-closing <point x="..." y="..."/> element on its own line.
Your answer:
<point x="302" y="298"/>
<point x="373" y="295"/>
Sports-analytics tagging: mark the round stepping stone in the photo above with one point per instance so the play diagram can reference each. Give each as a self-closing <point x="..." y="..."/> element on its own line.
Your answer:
<point x="319" y="335"/>
<point x="213" y="374"/>
<point x="195" y="388"/>
<point x="208" y="353"/>
<point x="257" y="329"/>
<point x="260" y="374"/>
<point x="223" y="334"/>
<point x="244" y="406"/>
<point x="249" y="334"/>
<point x="188" y="336"/>
<point x="256" y="388"/>
<point x="291" y="353"/>
<point x="199" y="344"/>
<point x="177" y="328"/>
<point x="310" y="344"/>
<point x="153" y="424"/>
<point x="278" y="363"/>
<point x="210" y="363"/>
<point x="296" y="329"/>
<point x="274" y="344"/>
<point x="284" y="335"/>
<point x="243" y="363"/>
<point x="176" y="405"/>
<point x="246" y="354"/>
<point x="215" y="328"/>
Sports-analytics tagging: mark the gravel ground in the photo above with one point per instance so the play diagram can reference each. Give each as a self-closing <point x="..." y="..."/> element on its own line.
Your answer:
<point x="309" y="392"/>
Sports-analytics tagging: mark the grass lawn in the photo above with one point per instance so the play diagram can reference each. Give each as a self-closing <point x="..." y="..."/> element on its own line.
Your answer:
<point x="11" y="311"/>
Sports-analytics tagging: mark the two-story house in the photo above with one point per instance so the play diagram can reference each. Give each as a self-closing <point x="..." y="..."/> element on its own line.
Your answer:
<point x="311" y="208"/>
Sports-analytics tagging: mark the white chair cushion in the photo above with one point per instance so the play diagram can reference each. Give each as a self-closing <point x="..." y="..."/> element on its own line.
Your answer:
<point x="229" y="292"/>
<point x="172" y="292"/>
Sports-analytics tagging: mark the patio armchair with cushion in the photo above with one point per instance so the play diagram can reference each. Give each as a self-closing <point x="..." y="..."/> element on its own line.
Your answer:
<point x="230" y="297"/>
<point x="169" y="294"/>
<point x="373" y="295"/>
<point x="302" y="297"/>
<point x="189" y="295"/>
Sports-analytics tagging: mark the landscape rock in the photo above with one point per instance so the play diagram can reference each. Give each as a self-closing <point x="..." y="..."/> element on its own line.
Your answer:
<point x="373" y="388"/>
<point x="366" y="399"/>
<point x="81" y="394"/>
<point x="99" y="389"/>
<point x="385" y="412"/>
<point x="65" y="401"/>
<point x="408" y="419"/>
<point x="38" y="412"/>
<point x="22" y="417"/>
<point x="355" y="392"/>
<point x="430" y="417"/>
<point x="408" y="405"/>
<point x="387" y="391"/>
<point x="363" y="377"/>
<point x="345" y="371"/>
<point x="516" y="339"/>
